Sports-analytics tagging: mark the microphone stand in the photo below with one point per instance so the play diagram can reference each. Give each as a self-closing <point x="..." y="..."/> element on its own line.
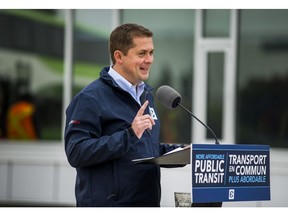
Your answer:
<point x="216" y="204"/>
<point x="216" y="140"/>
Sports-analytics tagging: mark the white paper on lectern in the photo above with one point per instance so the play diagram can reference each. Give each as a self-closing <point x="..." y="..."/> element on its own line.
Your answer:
<point x="179" y="156"/>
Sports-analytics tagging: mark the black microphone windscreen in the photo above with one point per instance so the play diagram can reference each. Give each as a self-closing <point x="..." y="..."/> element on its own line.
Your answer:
<point x="168" y="96"/>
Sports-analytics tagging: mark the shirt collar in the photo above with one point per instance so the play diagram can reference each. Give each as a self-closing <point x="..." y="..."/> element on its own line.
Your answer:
<point x="135" y="91"/>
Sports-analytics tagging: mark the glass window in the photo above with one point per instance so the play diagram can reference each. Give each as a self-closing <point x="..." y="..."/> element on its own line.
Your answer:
<point x="31" y="74"/>
<point x="216" y="23"/>
<point x="173" y="64"/>
<point x="262" y="104"/>
<point x="215" y="93"/>
<point x="91" y="36"/>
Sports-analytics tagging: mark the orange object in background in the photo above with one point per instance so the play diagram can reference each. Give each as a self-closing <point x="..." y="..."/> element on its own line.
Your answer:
<point x="20" y="121"/>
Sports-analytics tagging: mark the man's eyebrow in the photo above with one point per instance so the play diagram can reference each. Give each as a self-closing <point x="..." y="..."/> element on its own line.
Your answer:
<point x="146" y="50"/>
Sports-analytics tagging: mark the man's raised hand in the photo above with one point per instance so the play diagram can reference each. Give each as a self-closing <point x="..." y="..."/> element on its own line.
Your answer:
<point x="142" y="122"/>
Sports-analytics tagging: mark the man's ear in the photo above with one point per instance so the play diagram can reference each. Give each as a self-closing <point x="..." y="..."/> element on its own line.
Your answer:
<point x="118" y="56"/>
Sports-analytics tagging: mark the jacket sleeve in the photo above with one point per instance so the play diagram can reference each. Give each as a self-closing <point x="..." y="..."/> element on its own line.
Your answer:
<point x="84" y="143"/>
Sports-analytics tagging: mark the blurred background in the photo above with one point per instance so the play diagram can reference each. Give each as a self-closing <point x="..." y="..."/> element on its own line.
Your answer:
<point x="230" y="66"/>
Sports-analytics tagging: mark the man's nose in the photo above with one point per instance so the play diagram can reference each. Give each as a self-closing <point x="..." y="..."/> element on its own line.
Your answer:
<point x="149" y="58"/>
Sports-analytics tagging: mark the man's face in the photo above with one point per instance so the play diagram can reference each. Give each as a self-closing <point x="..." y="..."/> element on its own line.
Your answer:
<point x="137" y="63"/>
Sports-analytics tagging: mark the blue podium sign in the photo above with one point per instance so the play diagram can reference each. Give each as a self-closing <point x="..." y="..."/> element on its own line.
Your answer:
<point x="225" y="173"/>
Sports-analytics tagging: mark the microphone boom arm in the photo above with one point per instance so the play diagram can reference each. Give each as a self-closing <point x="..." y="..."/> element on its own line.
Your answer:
<point x="206" y="126"/>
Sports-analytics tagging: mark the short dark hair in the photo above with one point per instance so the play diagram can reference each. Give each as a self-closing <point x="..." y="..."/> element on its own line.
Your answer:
<point x="122" y="37"/>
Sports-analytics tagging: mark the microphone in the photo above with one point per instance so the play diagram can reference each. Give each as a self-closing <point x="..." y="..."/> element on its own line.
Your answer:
<point x="170" y="98"/>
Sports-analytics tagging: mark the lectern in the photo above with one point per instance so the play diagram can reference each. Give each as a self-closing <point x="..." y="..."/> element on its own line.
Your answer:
<point x="222" y="173"/>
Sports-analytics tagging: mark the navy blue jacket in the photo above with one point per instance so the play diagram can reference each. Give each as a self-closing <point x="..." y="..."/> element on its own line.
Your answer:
<point x="100" y="145"/>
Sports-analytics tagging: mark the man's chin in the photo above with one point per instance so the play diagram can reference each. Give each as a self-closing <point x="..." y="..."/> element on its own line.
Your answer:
<point x="144" y="78"/>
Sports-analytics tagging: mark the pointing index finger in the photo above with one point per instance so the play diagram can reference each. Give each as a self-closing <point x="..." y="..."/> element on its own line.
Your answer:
<point x="142" y="108"/>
